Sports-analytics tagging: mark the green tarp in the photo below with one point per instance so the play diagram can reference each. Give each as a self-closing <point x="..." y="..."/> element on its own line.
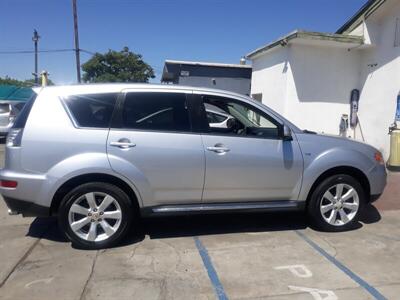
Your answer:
<point x="15" y="93"/>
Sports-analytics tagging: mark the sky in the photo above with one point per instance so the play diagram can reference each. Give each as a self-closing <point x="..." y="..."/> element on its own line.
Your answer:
<point x="200" y="30"/>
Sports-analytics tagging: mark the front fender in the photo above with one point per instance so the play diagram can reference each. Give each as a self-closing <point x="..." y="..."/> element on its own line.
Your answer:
<point x="329" y="159"/>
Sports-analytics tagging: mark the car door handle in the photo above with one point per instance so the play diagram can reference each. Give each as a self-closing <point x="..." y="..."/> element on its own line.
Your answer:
<point x="123" y="144"/>
<point x="218" y="149"/>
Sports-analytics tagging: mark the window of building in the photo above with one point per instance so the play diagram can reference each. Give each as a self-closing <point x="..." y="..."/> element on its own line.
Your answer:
<point x="257" y="97"/>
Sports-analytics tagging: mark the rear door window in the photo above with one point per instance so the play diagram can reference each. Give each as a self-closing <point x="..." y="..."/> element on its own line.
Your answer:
<point x="156" y="111"/>
<point x="92" y="110"/>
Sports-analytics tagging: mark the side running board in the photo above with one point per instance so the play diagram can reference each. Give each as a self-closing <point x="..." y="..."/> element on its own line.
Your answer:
<point x="283" y="205"/>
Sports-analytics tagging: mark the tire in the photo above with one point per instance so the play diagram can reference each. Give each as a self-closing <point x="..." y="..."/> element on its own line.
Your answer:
<point x="105" y="213"/>
<point x="329" y="214"/>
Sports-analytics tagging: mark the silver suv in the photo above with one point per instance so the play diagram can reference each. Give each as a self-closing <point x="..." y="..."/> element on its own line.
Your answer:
<point x="100" y="156"/>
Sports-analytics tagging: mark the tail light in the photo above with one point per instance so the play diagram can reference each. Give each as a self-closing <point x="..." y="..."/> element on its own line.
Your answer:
<point x="8" y="183"/>
<point x="14" y="137"/>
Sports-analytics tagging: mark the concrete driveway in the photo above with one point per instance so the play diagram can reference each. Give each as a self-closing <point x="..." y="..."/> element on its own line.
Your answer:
<point x="260" y="256"/>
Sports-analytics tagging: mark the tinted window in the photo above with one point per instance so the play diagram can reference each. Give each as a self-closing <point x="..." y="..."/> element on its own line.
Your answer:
<point x="244" y="120"/>
<point x="94" y="110"/>
<point x="214" y="118"/>
<point x="156" y="111"/>
<point x="23" y="115"/>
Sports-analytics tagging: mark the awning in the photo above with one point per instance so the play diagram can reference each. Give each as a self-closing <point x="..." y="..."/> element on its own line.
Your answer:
<point x="15" y="93"/>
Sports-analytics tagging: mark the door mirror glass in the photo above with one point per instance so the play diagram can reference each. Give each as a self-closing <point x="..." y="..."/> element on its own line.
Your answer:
<point x="287" y="133"/>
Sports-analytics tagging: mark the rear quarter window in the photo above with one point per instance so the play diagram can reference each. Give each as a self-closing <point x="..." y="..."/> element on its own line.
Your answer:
<point x="24" y="114"/>
<point x="91" y="110"/>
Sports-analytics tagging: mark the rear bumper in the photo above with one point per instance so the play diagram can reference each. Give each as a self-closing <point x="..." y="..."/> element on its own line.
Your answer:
<point x="29" y="197"/>
<point x="27" y="209"/>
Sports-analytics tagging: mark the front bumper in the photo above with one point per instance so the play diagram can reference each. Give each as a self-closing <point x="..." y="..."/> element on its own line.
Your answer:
<point x="27" y="209"/>
<point x="377" y="178"/>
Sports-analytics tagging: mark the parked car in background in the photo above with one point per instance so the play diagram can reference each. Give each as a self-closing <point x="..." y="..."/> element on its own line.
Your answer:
<point x="12" y="100"/>
<point x="8" y="113"/>
<point x="101" y="156"/>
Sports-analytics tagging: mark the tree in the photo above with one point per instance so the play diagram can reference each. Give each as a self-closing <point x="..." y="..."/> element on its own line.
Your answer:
<point x="22" y="83"/>
<point x="117" y="66"/>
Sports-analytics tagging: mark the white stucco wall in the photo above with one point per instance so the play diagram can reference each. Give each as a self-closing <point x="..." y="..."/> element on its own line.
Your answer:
<point x="314" y="91"/>
<point x="269" y="78"/>
<point x="319" y="84"/>
<point x="380" y="83"/>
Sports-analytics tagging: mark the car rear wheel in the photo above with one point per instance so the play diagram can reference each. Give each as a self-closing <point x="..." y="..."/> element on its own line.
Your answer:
<point x="95" y="215"/>
<point x="337" y="203"/>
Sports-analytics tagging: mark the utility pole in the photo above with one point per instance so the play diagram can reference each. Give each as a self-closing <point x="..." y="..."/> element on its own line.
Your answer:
<point x="77" y="54"/>
<point x="35" y="40"/>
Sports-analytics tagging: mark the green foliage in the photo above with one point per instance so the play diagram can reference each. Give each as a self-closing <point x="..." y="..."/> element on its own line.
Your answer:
<point x="117" y="66"/>
<point x="22" y="83"/>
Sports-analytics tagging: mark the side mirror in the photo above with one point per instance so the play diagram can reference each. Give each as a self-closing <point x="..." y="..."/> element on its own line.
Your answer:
<point x="230" y="123"/>
<point x="287" y="133"/>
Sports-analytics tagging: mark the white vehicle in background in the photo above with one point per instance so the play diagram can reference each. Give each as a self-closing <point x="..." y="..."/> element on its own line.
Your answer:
<point x="8" y="113"/>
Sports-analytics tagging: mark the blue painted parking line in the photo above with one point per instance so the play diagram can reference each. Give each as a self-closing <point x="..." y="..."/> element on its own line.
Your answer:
<point x="370" y="289"/>
<point x="212" y="274"/>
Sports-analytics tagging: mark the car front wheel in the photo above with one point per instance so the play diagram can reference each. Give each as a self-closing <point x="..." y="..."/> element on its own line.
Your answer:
<point x="337" y="203"/>
<point x="95" y="215"/>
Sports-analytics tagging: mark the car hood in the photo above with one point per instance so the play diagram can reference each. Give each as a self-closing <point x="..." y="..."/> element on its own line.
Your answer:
<point x="323" y="142"/>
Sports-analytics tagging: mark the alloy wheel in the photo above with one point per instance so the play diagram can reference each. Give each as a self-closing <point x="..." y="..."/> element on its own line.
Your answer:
<point x="339" y="204"/>
<point x="95" y="216"/>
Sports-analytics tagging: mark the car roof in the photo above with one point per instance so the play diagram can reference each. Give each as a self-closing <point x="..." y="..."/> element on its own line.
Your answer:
<point x="118" y="87"/>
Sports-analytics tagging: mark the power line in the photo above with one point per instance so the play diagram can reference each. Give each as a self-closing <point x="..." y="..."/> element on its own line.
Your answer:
<point x="33" y="51"/>
<point x="44" y="51"/>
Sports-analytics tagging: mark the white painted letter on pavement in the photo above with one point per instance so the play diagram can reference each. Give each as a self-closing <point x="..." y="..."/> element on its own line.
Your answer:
<point x="316" y="293"/>
<point x="297" y="270"/>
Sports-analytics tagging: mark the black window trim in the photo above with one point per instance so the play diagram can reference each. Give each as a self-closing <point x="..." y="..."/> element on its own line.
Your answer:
<point x="117" y="119"/>
<point x="205" y="126"/>
<point x="25" y="112"/>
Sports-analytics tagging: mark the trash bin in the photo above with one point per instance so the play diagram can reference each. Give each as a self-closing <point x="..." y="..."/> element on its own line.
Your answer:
<point x="394" y="157"/>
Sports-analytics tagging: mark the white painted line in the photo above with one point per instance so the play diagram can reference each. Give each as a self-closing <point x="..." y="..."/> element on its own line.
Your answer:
<point x="44" y="280"/>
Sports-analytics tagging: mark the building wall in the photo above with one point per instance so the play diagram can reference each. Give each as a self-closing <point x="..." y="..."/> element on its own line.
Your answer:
<point x="269" y="78"/>
<point x="319" y="85"/>
<point x="237" y="85"/>
<point x="380" y="78"/>
<point x="311" y="85"/>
